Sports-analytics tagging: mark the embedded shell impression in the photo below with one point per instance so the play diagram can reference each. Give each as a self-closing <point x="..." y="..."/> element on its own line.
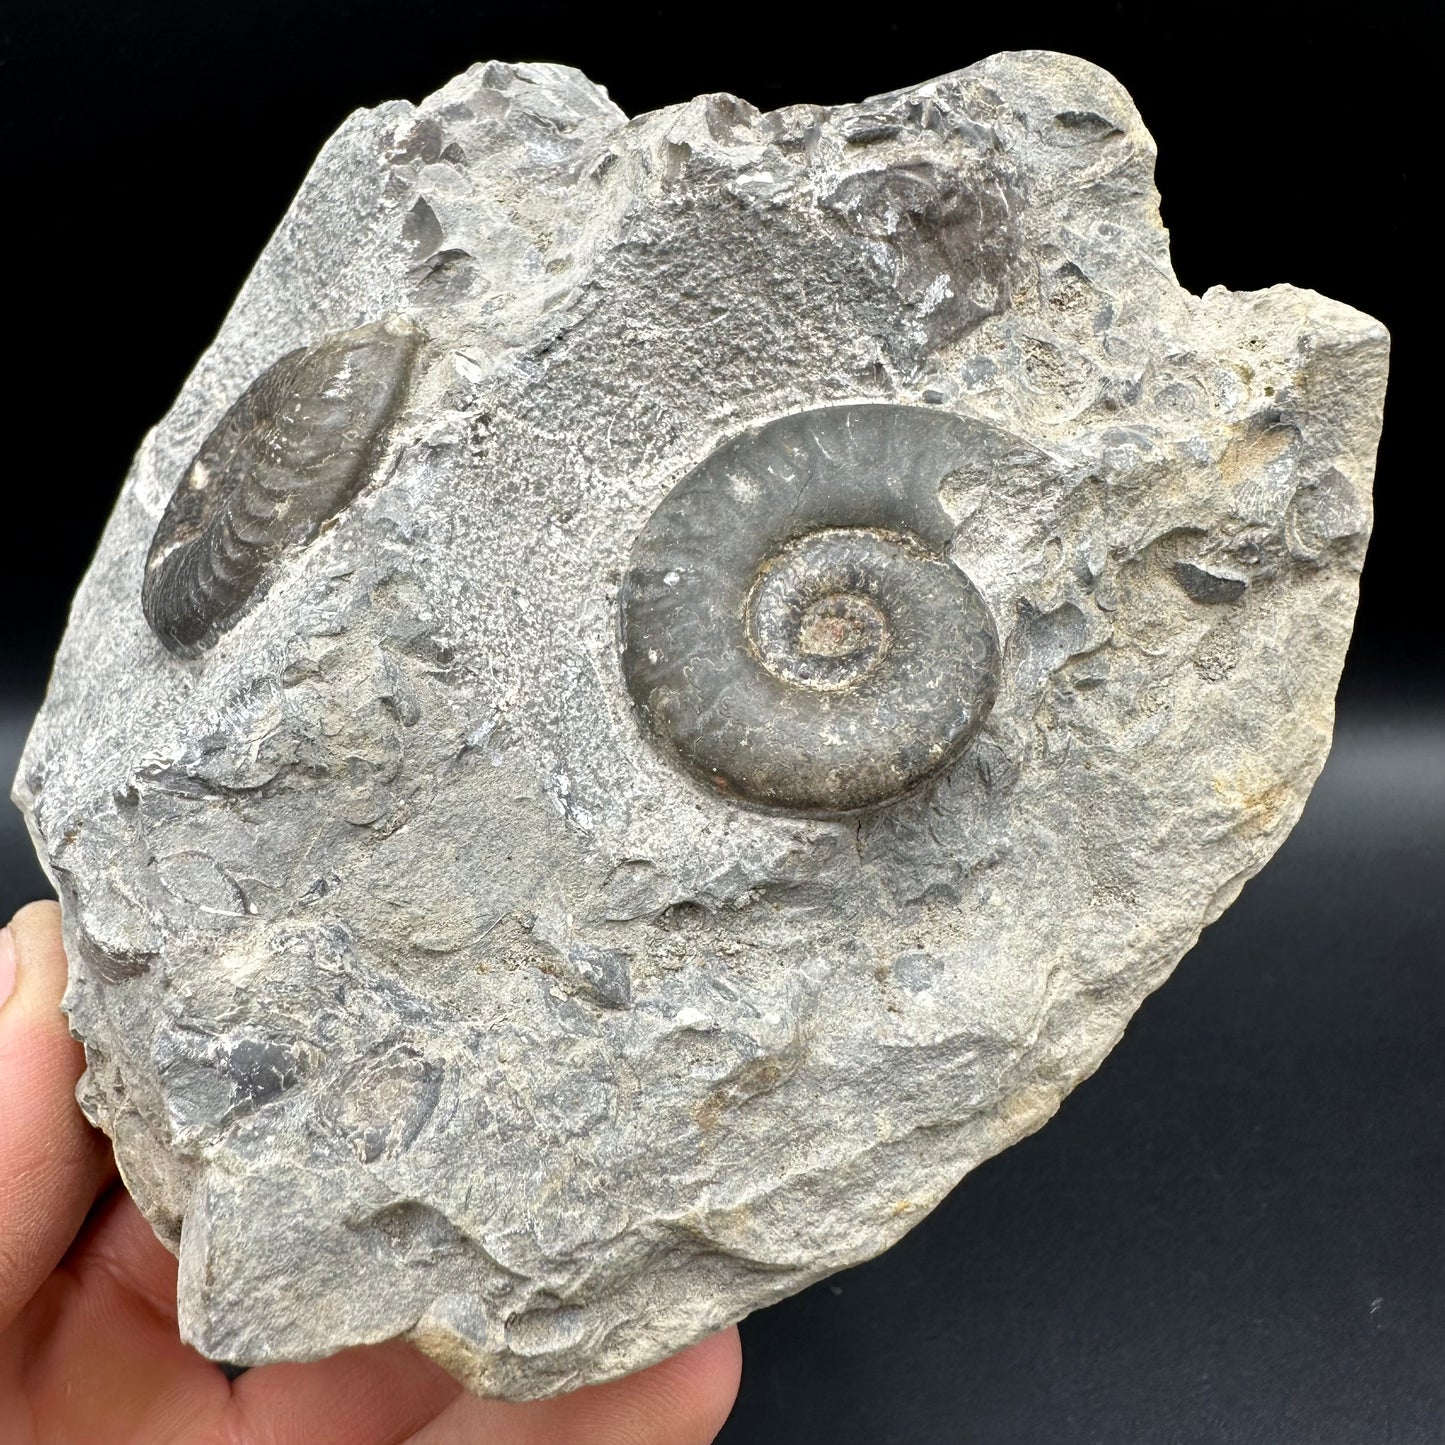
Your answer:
<point x="665" y="689"/>
<point x="282" y="462"/>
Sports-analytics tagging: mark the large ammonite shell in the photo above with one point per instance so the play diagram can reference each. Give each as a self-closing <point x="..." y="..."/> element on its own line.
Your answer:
<point x="287" y="457"/>
<point x="793" y="632"/>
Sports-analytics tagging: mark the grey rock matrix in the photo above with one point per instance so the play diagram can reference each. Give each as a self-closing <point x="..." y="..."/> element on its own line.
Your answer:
<point x="665" y="689"/>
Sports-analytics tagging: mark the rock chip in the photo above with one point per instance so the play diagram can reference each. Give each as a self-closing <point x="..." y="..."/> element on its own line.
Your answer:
<point x="698" y="670"/>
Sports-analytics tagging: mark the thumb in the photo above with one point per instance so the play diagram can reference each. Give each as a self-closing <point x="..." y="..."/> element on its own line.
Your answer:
<point x="52" y="1163"/>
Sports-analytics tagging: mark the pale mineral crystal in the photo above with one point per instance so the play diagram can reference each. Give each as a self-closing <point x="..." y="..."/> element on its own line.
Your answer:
<point x="665" y="689"/>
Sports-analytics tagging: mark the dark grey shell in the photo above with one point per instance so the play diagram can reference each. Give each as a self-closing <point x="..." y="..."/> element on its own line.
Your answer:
<point x="287" y="457"/>
<point x="792" y="630"/>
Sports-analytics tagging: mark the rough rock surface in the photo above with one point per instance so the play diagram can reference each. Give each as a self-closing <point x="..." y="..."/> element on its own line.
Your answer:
<point x="423" y="993"/>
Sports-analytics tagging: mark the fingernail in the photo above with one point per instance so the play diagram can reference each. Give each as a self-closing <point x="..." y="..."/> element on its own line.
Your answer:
<point x="7" y="965"/>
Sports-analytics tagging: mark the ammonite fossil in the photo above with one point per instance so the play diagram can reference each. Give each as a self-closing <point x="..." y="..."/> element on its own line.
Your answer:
<point x="289" y="454"/>
<point x="792" y="629"/>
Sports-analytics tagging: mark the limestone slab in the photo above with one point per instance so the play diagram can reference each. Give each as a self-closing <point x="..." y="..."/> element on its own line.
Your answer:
<point x="665" y="689"/>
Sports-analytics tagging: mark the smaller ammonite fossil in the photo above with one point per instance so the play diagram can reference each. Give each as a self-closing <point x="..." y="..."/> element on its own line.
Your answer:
<point x="291" y="452"/>
<point x="793" y="632"/>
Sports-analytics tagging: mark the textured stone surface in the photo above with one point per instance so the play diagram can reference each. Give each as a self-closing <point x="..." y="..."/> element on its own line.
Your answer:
<point x="425" y="990"/>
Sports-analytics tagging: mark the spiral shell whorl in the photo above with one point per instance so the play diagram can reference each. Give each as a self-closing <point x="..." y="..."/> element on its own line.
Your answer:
<point x="792" y="631"/>
<point x="292" y="451"/>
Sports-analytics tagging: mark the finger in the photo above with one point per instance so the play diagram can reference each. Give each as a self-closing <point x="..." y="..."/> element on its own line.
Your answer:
<point x="97" y="1360"/>
<point x="119" y="1248"/>
<point x="119" y="1287"/>
<point x="52" y="1163"/>
<point x="380" y="1393"/>
<point x="682" y="1401"/>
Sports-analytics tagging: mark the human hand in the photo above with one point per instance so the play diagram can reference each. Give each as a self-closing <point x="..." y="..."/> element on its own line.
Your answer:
<point x="89" y="1350"/>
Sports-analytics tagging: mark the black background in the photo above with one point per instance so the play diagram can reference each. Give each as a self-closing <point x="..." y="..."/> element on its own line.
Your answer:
<point x="1233" y="1233"/>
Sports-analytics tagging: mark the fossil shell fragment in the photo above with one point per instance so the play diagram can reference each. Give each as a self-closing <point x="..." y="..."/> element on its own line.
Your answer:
<point x="792" y="631"/>
<point x="480" y="935"/>
<point x="283" y="461"/>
